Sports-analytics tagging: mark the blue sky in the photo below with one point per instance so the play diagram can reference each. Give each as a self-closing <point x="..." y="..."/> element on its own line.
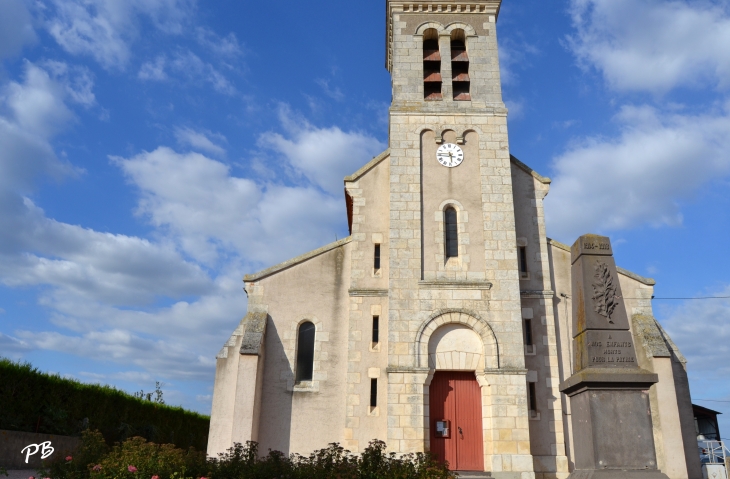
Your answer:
<point x="154" y="151"/>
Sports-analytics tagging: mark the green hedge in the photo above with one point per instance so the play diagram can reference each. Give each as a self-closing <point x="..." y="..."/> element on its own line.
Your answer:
<point x="32" y="401"/>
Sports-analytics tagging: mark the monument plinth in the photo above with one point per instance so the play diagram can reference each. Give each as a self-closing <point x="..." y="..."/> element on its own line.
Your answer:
<point x="609" y="397"/>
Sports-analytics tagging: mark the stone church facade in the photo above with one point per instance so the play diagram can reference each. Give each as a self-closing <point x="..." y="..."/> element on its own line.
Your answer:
<point x="442" y="322"/>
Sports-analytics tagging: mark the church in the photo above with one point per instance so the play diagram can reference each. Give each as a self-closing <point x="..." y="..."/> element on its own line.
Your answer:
<point x="443" y="322"/>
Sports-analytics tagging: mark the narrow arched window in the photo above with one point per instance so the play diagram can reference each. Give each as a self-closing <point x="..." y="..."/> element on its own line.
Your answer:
<point x="451" y="231"/>
<point x="305" y="352"/>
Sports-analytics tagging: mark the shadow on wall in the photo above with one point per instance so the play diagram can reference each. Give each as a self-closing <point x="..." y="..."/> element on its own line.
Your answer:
<point x="276" y="401"/>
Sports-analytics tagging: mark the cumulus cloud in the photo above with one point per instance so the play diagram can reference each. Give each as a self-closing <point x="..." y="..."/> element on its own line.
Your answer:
<point x="16" y="28"/>
<point x="609" y="184"/>
<point x="323" y="155"/>
<point x="159" y="357"/>
<point x="103" y="29"/>
<point x="653" y="45"/>
<point x="212" y="212"/>
<point x="201" y="141"/>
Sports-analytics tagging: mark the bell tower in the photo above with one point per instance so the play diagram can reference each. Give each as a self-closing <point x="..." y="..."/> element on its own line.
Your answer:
<point x="452" y="244"/>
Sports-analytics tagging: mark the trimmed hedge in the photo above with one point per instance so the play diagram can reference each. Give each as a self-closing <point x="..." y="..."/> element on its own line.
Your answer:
<point x="32" y="401"/>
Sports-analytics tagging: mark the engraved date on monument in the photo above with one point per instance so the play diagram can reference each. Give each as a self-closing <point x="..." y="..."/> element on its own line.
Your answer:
<point x="595" y="245"/>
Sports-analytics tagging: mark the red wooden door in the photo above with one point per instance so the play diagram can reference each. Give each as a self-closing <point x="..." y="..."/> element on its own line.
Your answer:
<point x="456" y="397"/>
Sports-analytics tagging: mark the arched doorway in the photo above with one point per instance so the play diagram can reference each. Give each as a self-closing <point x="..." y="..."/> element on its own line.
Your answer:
<point x="455" y="404"/>
<point x="455" y="351"/>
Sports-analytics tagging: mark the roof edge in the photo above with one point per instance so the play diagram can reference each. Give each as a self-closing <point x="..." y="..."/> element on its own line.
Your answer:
<point x="295" y="261"/>
<point x="632" y="275"/>
<point x="625" y="272"/>
<point x="368" y="166"/>
<point x="542" y="179"/>
<point x="558" y="244"/>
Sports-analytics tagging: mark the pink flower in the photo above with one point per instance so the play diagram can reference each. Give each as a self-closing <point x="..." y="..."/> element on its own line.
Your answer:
<point x="132" y="469"/>
<point x="97" y="468"/>
<point x="155" y="477"/>
<point x="31" y="477"/>
<point x="69" y="458"/>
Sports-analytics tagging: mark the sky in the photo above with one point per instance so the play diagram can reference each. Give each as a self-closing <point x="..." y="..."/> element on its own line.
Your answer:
<point x="155" y="151"/>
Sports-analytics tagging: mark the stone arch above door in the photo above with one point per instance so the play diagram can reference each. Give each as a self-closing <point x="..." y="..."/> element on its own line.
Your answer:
<point x="455" y="347"/>
<point x="470" y="319"/>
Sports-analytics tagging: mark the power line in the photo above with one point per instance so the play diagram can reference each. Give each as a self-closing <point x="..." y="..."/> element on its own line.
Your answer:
<point x="683" y="299"/>
<point x="710" y="400"/>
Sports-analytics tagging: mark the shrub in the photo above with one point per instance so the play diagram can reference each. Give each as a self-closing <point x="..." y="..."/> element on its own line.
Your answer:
<point x="93" y="448"/>
<point x="136" y="458"/>
<point x="242" y="462"/>
<point x="32" y="401"/>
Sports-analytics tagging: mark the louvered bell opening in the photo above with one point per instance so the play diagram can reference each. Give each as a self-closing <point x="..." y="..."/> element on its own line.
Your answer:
<point x="431" y="76"/>
<point x="458" y="51"/>
<point x="459" y="55"/>
<point x="459" y="77"/>
<point x="431" y="56"/>
<point x="432" y="91"/>
<point x="461" y="91"/>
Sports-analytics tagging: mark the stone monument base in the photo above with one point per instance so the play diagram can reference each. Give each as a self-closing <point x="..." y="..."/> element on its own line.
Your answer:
<point x="617" y="474"/>
<point x="612" y="426"/>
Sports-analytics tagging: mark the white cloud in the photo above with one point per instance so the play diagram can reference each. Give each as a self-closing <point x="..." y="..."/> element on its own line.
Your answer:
<point x="511" y="55"/>
<point x="13" y="347"/>
<point x="333" y="92"/>
<point x="323" y="155"/>
<point x="188" y="65"/>
<point x="104" y="29"/>
<point x="201" y="140"/>
<point x="210" y="212"/>
<point x="653" y="45"/>
<point x="159" y="357"/>
<point x="38" y="103"/>
<point x="227" y="46"/>
<point x="690" y="325"/>
<point x="609" y="184"/>
<point x="16" y="28"/>
<point x="153" y="70"/>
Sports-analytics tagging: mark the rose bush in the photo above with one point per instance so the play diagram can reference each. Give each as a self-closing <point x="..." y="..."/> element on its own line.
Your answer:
<point x="136" y="458"/>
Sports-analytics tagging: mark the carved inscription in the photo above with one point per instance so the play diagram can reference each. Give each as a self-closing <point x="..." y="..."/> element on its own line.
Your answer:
<point x="596" y="245"/>
<point x="604" y="291"/>
<point x="614" y="349"/>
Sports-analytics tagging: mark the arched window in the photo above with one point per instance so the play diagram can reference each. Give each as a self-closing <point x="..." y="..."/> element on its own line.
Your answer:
<point x="451" y="231"/>
<point x="460" y="66"/>
<point x="305" y="352"/>
<point x="431" y="66"/>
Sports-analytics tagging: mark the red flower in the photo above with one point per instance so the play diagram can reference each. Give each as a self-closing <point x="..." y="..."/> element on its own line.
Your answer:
<point x="155" y="477"/>
<point x="69" y="458"/>
<point x="132" y="469"/>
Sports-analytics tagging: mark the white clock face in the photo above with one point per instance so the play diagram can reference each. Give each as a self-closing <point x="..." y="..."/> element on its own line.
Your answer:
<point x="450" y="155"/>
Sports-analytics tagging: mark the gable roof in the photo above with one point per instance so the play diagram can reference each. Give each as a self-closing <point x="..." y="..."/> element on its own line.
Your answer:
<point x="369" y="166"/>
<point x="542" y="179"/>
<point x="295" y="261"/>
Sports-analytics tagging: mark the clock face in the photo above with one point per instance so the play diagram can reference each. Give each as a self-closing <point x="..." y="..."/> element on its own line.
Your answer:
<point x="450" y="155"/>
